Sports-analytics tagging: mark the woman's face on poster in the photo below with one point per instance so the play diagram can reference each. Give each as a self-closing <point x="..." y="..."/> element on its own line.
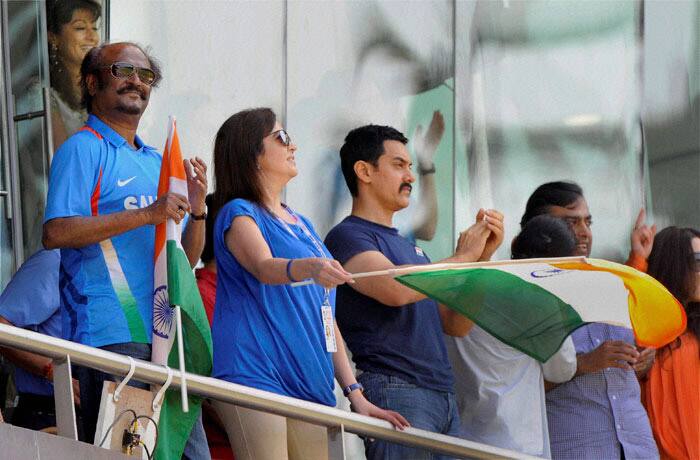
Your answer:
<point x="77" y="37"/>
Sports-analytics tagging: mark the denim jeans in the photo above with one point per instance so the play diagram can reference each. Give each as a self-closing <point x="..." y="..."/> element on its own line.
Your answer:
<point x="91" y="382"/>
<point x="425" y="409"/>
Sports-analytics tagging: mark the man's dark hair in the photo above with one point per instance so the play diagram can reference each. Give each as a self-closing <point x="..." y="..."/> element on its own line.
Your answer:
<point x="92" y="65"/>
<point x="60" y="12"/>
<point x="544" y="236"/>
<point x="550" y="194"/>
<point x="208" y="251"/>
<point x="237" y="145"/>
<point x="365" y="143"/>
<point x="672" y="262"/>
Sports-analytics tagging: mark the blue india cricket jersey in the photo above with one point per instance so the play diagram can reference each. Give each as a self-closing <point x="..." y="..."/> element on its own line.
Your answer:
<point x="106" y="288"/>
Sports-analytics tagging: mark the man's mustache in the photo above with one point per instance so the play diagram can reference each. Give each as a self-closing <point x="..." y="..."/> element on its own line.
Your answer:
<point x="406" y="185"/>
<point x="132" y="87"/>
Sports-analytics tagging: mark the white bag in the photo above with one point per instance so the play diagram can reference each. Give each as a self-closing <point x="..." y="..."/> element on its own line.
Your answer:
<point x="117" y="409"/>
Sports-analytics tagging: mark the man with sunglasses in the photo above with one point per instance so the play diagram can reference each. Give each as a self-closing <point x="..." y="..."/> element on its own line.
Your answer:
<point x="101" y="211"/>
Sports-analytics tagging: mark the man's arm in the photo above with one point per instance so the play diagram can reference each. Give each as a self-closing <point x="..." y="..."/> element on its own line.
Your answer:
<point x="36" y="364"/>
<point x="195" y="233"/>
<point x="80" y="231"/>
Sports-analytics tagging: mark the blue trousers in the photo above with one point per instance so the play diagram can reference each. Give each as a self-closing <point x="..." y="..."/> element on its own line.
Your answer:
<point x="91" y="382"/>
<point x="424" y="408"/>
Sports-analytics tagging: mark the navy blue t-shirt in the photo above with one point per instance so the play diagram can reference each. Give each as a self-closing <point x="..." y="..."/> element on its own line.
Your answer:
<point x="404" y="342"/>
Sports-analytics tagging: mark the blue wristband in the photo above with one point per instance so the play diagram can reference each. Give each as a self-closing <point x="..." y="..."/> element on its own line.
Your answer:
<point x="350" y="388"/>
<point x="289" y="271"/>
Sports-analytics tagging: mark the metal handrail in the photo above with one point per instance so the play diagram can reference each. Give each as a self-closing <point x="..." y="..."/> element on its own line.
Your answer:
<point x="336" y="420"/>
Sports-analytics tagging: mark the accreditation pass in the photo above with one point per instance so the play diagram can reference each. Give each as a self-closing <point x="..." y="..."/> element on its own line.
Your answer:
<point x="328" y="329"/>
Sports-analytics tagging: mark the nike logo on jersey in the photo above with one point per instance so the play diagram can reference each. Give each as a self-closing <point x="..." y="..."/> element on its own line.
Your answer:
<point x="122" y="183"/>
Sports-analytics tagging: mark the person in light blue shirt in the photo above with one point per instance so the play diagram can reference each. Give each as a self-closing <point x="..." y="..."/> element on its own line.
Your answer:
<point x="267" y="334"/>
<point x="31" y="301"/>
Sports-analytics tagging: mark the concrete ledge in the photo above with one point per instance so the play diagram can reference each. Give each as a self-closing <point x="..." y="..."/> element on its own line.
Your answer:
<point x="22" y="444"/>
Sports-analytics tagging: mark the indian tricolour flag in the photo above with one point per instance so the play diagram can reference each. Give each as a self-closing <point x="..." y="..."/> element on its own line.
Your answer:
<point x="533" y="305"/>
<point x="175" y="285"/>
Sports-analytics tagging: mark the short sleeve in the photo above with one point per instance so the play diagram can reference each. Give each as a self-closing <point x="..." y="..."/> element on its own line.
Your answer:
<point x="345" y="241"/>
<point x="74" y="176"/>
<point x="236" y="208"/>
<point x="32" y="296"/>
<point x="561" y="367"/>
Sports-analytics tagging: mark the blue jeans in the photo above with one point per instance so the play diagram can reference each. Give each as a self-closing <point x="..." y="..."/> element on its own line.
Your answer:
<point x="425" y="409"/>
<point x="92" y="380"/>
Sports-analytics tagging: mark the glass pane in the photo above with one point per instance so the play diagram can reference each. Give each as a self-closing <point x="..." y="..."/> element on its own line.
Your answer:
<point x="541" y="103"/>
<point x="26" y="55"/>
<point x="33" y="165"/>
<point x="73" y="28"/>
<point x="671" y="113"/>
<point x="387" y="63"/>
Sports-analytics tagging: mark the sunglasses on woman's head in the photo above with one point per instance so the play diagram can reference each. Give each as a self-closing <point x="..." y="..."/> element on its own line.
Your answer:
<point x="124" y="70"/>
<point x="282" y="136"/>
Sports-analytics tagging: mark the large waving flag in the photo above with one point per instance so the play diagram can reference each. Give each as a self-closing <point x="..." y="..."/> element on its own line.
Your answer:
<point x="534" y="305"/>
<point x="175" y="284"/>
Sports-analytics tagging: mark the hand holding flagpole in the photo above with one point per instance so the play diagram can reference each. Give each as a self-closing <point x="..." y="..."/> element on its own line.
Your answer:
<point x="449" y="266"/>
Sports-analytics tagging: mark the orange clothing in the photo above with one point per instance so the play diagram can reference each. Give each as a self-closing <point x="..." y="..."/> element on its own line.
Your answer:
<point x="671" y="395"/>
<point x="637" y="261"/>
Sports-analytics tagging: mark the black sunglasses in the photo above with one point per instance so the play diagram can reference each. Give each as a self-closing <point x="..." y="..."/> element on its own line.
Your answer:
<point x="124" y="70"/>
<point x="283" y="137"/>
<point x="697" y="261"/>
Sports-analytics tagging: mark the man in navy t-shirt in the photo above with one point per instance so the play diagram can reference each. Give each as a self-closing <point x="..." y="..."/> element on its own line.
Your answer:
<point x="395" y="333"/>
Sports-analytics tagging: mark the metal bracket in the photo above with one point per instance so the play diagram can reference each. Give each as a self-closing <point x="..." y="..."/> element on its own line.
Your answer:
<point x="63" y="397"/>
<point x="336" y="442"/>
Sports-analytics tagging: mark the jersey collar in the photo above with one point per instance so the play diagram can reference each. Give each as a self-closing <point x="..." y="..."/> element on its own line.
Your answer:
<point x="111" y="135"/>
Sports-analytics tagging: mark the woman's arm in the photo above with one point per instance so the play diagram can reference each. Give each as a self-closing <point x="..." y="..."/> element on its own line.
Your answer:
<point x="358" y="402"/>
<point x="246" y="243"/>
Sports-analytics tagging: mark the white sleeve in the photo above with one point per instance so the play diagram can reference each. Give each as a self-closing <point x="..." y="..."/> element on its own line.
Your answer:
<point x="561" y="367"/>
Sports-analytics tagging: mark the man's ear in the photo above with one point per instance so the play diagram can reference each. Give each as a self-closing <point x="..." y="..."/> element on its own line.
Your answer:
<point x="92" y="83"/>
<point x="363" y="171"/>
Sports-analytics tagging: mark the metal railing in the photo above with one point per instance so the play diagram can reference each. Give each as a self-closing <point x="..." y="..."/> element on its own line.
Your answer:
<point x="65" y="353"/>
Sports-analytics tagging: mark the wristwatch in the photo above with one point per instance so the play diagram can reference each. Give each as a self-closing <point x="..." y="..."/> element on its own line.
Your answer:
<point x="422" y="170"/>
<point x="201" y="216"/>
<point x="350" y="388"/>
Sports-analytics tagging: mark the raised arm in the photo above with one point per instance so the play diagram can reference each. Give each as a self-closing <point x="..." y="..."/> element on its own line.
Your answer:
<point x="193" y="238"/>
<point x="478" y="242"/>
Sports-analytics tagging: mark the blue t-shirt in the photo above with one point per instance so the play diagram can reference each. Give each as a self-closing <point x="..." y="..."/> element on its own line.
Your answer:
<point x="405" y="342"/>
<point x="106" y="288"/>
<point x="270" y="336"/>
<point x="31" y="301"/>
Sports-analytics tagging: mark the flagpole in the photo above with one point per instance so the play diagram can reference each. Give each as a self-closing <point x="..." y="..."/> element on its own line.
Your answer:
<point x="181" y="356"/>
<point x="451" y="266"/>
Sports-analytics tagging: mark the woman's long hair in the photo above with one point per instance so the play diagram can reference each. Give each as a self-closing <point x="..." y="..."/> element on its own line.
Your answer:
<point x="672" y="262"/>
<point x="237" y="146"/>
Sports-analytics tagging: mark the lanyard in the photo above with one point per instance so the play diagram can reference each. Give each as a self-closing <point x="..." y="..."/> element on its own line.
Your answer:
<point x="317" y="244"/>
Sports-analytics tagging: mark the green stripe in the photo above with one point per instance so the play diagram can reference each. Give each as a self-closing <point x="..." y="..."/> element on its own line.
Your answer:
<point x="175" y="426"/>
<point x="132" y="315"/>
<point x="518" y="313"/>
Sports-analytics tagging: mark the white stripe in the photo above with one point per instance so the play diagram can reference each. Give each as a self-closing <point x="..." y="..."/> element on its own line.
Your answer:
<point x="596" y="296"/>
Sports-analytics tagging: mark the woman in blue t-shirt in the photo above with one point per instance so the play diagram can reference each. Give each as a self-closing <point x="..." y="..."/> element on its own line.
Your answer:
<point x="268" y="334"/>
